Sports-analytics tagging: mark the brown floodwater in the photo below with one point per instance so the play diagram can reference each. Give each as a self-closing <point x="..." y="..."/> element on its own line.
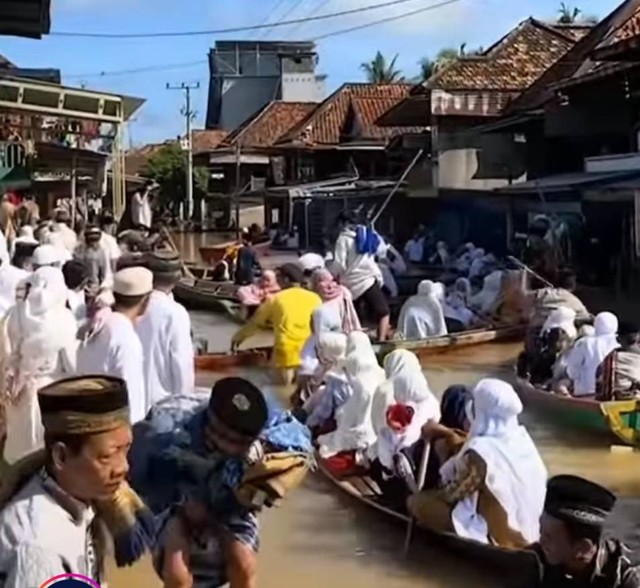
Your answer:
<point x="321" y="538"/>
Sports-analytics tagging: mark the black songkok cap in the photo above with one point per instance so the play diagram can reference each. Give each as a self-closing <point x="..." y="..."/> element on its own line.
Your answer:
<point x="239" y="406"/>
<point x="575" y="500"/>
<point x="84" y="405"/>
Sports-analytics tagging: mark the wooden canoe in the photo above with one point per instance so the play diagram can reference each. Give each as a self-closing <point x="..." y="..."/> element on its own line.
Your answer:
<point x="422" y="348"/>
<point x="213" y="254"/>
<point x="617" y="421"/>
<point x="366" y="491"/>
<point x="195" y="294"/>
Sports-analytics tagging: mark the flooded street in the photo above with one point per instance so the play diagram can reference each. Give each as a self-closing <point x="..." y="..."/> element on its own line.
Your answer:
<point x="320" y="537"/>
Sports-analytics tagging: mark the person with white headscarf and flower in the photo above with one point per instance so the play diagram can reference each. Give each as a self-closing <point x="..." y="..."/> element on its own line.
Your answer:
<point x="422" y="315"/>
<point x="401" y="406"/>
<point x="584" y="359"/>
<point x="354" y="428"/>
<point x="493" y="490"/>
<point x="38" y="347"/>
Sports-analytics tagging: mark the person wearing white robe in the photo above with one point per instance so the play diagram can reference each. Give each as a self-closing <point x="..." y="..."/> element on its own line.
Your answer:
<point x="75" y="277"/>
<point x="583" y="360"/>
<point x="354" y="427"/>
<point x="165" y="334"/>
<point x="25" y="235"/>
<point x="463" y="262"/>
<point x="141" y="212"/>
<point x="109" y="244"/>
<point x="477" y="263"/>
<point x="422" y="316"/>
<point x="414" y="248"/>
<point x="10" y="277"/>
<point x="486" y="301"/>
<point x="114" y="349"/>
<point x="514" y="474"/>
<point x="47" y="256"/>
<point x="405" y="385"/>
<point x="38" y="347"/>
<point x="456" y="306"/>
<point x="62" y="226"/>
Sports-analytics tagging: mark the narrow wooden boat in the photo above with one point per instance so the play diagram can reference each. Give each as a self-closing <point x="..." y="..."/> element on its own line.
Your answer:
<point x="366" y="491"/>
<point x="435" y="345"/>
<point x="197" y="294"/>
<point x="421" y="347"/>
<point x="212" y="254"/>
<point x="617" y="421"/>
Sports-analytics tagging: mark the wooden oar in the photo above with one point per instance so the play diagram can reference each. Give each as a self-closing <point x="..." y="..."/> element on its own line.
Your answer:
<point x="422" y="474"/>
<point x="526" y="268"/>
<point x="169" y="238"/>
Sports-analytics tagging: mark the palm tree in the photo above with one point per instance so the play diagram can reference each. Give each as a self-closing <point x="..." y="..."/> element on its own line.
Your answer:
<point x="379" y="71"/>
<point x="568" y="14"/>
<point x="444" y="57"/>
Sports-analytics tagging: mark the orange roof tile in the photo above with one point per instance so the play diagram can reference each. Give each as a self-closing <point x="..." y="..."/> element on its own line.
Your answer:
<point x="267" y="125"/>
<point x="513" y="63"/>
<point x="624" y="33"/>
<point x="136" y="159"/>
<point x="366" y="112"/>
<point x="205" y="140"/>
<point x="327" y="123"/>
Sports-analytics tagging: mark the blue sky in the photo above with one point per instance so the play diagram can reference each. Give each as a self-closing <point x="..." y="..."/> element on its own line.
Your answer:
<point x="82" y="61"/>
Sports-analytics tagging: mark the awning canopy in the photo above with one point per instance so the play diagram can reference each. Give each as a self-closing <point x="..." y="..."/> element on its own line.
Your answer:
<point x="568" y="182"/>
<point x="25" y="18"/>
<point x="22" y="94"/>
<point x="53" y="158"/>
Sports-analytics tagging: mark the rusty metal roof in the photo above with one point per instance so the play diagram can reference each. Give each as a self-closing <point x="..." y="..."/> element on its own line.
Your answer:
<point x="513" y="63"/>
<point x="205" y="140"/>
<point x="332" y="119"/>
<point x="270" y="123"/>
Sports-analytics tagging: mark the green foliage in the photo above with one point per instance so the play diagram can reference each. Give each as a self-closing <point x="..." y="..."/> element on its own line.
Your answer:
<point x="380" y="71"/>
<point x="168" y="167"/>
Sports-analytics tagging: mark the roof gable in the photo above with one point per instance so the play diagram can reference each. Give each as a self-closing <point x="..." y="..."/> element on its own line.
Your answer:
<point x="206" y="140"/>
<point x="329" y="121"/>
<point x="623" y="33"/>
<point x="513" y="63"/>
<point x="267" y="125"/>
<point x="576" y="63"/>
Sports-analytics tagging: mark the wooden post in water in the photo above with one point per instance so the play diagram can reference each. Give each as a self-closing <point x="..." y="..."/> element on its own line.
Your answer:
<point x="422" y="474"/>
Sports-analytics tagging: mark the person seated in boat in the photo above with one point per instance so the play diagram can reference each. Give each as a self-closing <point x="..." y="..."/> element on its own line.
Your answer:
<point x="447" y="436"/>
<point x="247" y="264"/>
<point x="463" y="258"/>
<point x="414" y="248"/>
<point x="441" y="257"/>
<point x="477" y="264"/>
<point x="514" y="310"/>
<point x="493" y="490"/>
<point x="422" y="315"/>
<point x="336" y="314"/>
<point x="329" y="387"/>
<point x="457" y="314"/>
<point x="556" y="337"/>
<point x="542" y="302"/>
<point x="253" y="295"/>
<point x="353" y="433"/>
<point x="288" y="314"/>
<point x="486" y="303"/>
<point x="618" y="377"/>
<point x="573" y="551"/>
<point x="401" y="405"/>
<point x="584" y="358"/>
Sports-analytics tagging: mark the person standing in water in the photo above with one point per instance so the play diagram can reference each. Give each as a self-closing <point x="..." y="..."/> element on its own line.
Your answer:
<point x="288" y="314"/>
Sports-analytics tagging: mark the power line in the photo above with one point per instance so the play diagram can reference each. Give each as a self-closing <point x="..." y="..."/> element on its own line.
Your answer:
<point x="232" y="29"/>
<point x="315" y="11"/>
<point x="156" y="67"/>
<point x="271" y="12"/>
<point x="385" y="20"/>
<point x="292" y="10"/>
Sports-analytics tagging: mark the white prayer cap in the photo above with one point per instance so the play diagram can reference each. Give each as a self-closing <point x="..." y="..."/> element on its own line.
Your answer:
<point x="310" y="261"/>
<point x="133" y="281"/>
<point x="46" y="255"/>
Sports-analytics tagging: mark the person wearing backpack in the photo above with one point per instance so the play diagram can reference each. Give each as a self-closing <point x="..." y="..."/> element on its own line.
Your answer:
<point x="354" y="255"/>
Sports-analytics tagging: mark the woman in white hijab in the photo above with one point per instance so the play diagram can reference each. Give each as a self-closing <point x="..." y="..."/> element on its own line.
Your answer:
<point x="585" y="357"/>
<point x="422" y="315"/>
<point x="38" y="347"/>
<point x="354" y="428"/>
<point x="456" y="307"/>
<point x="494" y="489"/>
<point x="489" y="298"/>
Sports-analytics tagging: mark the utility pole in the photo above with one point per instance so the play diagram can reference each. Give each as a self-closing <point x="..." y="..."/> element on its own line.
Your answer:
<point x="188" y="115"/>
<point x="238" y="187"/>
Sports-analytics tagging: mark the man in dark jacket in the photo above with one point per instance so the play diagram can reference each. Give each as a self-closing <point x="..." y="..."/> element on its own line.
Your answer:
<point x="573" y="553"/>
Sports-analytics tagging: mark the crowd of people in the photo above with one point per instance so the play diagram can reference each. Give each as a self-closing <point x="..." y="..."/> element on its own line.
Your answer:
<point x="96" y="357"/>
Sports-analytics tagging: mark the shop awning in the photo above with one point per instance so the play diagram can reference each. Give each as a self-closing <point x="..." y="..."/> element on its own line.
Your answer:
<point x="568" y="182"/>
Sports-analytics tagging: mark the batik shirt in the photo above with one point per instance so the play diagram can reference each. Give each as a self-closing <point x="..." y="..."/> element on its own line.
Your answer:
<point x="44" y="532"/>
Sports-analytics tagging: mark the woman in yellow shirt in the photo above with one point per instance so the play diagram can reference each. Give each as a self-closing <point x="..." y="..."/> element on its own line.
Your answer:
<point x="288" y="314"/>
